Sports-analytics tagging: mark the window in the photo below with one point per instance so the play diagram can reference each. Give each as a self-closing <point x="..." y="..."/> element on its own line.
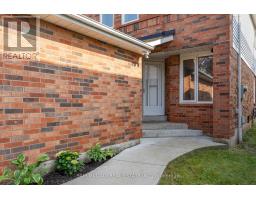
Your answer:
<point x="107" y="19"/>
<point x="205" y="78"/>
<point x="196" y="79"/>
<point x="188" y="80"/>
<point x="126" y="18"/>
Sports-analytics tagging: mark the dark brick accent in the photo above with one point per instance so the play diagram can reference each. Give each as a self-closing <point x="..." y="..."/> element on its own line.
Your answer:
<point x="128" y="131"/>
<point x="28" y="68"/>
<point x="67" y="69"/>
<point x="78" y="134"/>
<point x="78" y="36"/>
<point x="10" y="88"/>
<point x="71" y="144"/>
<point x="11" y="156"/>
<point x="19" y="149"/>
<point x="14" y="122"/>
<point x="27" y="100"/>
<point x="75" y="70"/>
<point x="53" y="124"/>
<point x="48" y="71"/>
<point x="46" y="129"/>
<point x="98" y="120"/>
<point x="136" y="27"/>
<point x="52" y="95"/>
<point x="5" y="151"/>
<point x="46" y="31"/>
<point x="65" y="104"/>
<point x="97" y="47"/>
<point x="36" y="146"/>
<point x="13" y="77"/>
<point x="121" y="81"/>
<point x="61" y="100"/>
<point x="77" y="96"/>
<point x="48" y="109"/>
<point x="84" y="84"/>
<point x="77" y="105"/>
<point x="61" y="146"/>
<point x="13" y="111"/>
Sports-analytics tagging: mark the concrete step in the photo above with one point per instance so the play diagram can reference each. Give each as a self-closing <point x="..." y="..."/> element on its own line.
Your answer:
<point x="158" y="118"/>
<point x="170" y="133"/>
<point x="163" y="125"/>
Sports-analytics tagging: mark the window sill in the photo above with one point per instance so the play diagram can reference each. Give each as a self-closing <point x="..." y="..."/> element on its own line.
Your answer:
<point x="195" y="103"/>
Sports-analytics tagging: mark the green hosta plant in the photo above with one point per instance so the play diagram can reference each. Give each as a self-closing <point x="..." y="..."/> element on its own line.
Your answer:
<point x="25" y="173"/>
<point x="97" y="154"/>
<point x="67" y="163"/>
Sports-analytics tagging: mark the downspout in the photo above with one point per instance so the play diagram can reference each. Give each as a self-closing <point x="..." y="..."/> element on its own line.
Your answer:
<point x="239" y="106"/>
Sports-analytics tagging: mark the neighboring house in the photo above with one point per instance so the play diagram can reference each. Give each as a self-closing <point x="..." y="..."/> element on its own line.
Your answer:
<point x="191" y="76"/>
<point x="84" y="88"/>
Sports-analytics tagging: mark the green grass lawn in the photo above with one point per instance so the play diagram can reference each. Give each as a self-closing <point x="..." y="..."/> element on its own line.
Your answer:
<point x="216" y="165"/>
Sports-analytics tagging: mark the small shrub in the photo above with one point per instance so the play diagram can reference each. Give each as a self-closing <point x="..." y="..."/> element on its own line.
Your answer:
<point x="109" y="153"/>
<point x="67" y="162"/>
<point x="97" y="154"/>
<point x="24" y="173"/>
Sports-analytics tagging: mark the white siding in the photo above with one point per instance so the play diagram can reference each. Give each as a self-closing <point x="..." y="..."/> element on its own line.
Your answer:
<point x="248" y="50"/>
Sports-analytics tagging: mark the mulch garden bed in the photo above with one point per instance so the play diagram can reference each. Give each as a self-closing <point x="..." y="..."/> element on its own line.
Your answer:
<point x="55" y="178"/>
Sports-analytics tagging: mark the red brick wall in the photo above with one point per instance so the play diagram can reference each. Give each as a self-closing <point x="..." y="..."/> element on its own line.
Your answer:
<point x="94" y="16"/>
<point x="195" y="31"/>
<point x="81" y="92"/>
<point x="197" y="116"/>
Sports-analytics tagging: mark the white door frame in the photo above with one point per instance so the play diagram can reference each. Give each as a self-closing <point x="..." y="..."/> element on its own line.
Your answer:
<point x="160" y="110"/>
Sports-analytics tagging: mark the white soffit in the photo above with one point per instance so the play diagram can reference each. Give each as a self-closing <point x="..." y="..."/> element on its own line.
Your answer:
<point x="93" y="29"/>
<point x="160" y="41"/>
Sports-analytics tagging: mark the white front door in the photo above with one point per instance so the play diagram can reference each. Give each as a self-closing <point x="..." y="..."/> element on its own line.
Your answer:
<point x="153" y="89"/>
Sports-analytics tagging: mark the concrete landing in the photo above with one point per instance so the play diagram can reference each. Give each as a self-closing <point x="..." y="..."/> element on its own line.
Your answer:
<point x="142" y="164"/>
<point x="167" y="129"/>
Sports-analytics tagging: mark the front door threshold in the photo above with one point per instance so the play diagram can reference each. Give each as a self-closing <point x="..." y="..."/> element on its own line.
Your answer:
<point x="154" y="118"/>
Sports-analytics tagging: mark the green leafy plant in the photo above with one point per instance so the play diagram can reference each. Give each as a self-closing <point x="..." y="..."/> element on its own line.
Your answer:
<point x="67" y="162"/>
<point x="97" y="154"/>
<point x="25" y="173"/>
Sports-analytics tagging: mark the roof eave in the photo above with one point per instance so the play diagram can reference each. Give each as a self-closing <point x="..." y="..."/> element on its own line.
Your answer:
<point x="91" y="28"/>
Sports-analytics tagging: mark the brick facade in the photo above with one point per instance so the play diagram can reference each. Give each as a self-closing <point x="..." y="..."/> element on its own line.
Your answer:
<point x="197" y="116"/>
<point x="218" y="119"/>
<point x="198" y="31"/>
<point x="80" y="92"/>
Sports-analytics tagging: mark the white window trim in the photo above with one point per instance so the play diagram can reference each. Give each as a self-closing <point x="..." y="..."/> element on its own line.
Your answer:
<point x="105" y="24"/>
<point x="123" y="22"/>
<point x="193" y="56"/>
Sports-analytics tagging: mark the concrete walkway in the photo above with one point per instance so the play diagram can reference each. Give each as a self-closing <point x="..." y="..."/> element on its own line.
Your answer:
<point x="142" y="164"/>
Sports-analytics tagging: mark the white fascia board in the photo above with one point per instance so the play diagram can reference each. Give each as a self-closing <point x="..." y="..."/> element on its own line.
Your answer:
<point x="160" y="41"/>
